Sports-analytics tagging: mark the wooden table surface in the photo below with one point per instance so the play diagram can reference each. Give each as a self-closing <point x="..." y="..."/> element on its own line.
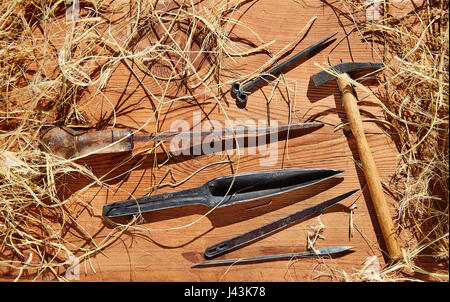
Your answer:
<point x="170" y="241"/>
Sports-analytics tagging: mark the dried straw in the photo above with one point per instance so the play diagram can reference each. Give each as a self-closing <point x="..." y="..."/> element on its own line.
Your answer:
<point x="50" y="61"/>
<point x="414" y="96"/>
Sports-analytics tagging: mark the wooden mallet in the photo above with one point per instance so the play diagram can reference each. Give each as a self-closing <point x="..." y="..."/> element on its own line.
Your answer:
<point x="368" y="164"/>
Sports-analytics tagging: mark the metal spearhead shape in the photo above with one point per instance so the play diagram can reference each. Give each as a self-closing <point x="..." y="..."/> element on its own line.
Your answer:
<point x="225" y="191"/>
<point x="68" y="143"/>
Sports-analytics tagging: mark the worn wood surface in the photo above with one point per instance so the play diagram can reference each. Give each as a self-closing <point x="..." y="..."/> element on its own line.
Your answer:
<point x="165" y="247"/>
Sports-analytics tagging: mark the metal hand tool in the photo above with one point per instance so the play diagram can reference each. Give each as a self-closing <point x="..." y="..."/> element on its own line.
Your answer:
<point x="242" y="93"/>
<point x="68" y="143"/>
<point x="225" y="191"/>
<point x="325" y="76"/>
<point x="267" y="229"/>
<point x="367" y="161"/>
<point x="327" y="251"/>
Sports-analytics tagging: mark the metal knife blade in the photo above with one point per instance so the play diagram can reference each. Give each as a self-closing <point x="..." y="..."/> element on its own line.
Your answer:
<point x="320" y="252"/>
<point x="238" y="130"/>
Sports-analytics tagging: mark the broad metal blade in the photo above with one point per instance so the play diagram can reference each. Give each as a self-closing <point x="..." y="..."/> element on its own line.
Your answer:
<point x="246" y="187"/>
<point x="333" y="250"/>
<point x="255" y="234"/>
<point x="225" y="191"/>
<point x="320" y="252"/>
<point x="237" y="130"/>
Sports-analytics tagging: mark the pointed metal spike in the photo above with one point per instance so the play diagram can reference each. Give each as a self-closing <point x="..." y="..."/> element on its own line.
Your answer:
<point x="324" y="251"/>
<point x="333" y="250"/>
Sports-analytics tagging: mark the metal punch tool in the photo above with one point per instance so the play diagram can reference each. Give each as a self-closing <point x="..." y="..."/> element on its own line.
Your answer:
<point x="225" y="191"/>
<point x="242" y="93"/>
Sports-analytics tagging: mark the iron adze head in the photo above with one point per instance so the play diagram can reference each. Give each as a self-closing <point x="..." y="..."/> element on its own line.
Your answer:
<point x="349" y="67"/>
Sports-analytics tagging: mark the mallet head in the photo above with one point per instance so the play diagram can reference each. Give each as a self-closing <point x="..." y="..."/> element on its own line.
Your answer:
<point x="349" y="67"/>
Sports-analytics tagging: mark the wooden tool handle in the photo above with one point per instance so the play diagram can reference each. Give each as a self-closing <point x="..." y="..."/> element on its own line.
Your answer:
<point x="369" y="168"/>
<point x="68" y="143"/>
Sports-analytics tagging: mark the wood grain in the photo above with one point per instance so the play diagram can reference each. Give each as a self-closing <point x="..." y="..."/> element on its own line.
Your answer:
<point x="164" y="248"/>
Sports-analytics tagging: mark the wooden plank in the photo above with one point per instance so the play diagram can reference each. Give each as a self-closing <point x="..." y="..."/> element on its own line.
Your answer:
<point x="164" y="248"/>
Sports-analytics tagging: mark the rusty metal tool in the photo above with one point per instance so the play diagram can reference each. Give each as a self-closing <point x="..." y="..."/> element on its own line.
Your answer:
<point x="225" y="191"/>
<point x="272" y="227"/>
<point x="68" y="143"/>
<point x="368" y="164"/>
<point x="327" y="251"/>
<point x="242" y="93"/>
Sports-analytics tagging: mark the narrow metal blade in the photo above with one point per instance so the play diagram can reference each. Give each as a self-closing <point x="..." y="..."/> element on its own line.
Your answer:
<point x="255" y="234"/>
<point x="325" y="76"/>
<point x="288" y="62"/>
<point x="301" y="54"/>
<point x="238" y="130"/>
<point x="225" y="191"/>
<point x="324" y="251"/>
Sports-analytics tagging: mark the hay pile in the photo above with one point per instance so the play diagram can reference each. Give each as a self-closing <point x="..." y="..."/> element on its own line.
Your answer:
<point x="415" y="98"/>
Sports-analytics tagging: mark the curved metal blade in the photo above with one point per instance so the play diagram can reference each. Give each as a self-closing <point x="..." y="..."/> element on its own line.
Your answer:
<point x="246" y="187"/>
